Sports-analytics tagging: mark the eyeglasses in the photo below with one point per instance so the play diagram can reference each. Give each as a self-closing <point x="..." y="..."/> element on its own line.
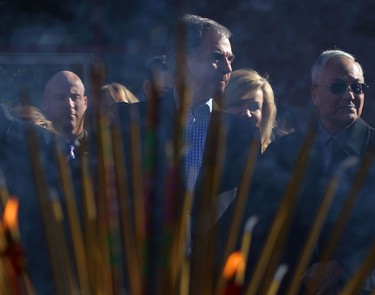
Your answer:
<point x="339" y="88"/>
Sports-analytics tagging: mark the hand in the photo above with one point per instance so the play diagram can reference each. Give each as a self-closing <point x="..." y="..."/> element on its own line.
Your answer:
<point x="321" y="278"/>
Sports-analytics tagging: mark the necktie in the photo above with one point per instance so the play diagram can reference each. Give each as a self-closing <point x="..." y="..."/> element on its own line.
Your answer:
<point x="329" y="152"/>
<point x="195" y="138"/>
<point x="70" y="154"/>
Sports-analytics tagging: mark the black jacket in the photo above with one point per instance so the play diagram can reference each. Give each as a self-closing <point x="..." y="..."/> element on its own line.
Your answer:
<point x="273" y="176"/>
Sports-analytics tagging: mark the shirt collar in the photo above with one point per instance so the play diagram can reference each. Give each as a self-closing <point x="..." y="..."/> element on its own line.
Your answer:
<point x="177" y="101"/>
<point x="344" y="137"/>
<point x="80" y="138"/>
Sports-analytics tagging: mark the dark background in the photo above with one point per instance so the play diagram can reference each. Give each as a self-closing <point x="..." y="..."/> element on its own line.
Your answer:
<point x="280" y="38"/>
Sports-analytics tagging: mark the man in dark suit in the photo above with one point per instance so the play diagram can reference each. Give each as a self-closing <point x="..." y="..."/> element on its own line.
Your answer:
<point x="65" y="105"/>
<point x="339" y="134"/>
<point x="180" y="131"/>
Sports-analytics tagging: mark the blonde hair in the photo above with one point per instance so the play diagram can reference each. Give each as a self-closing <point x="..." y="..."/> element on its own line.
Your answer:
<point x="119" y="93"/>
<point x="244" y="81"/>
<point x="32" y="115"/>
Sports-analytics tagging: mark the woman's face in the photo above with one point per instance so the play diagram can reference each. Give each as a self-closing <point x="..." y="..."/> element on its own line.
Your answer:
<point x="248" y="107"/>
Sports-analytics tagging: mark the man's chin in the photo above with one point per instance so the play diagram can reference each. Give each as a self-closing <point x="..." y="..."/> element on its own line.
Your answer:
<point x="218" y="92"/>
<point x="68" y="131"/>
<point x="351" y="116"/>
<point x="348" y="120"/>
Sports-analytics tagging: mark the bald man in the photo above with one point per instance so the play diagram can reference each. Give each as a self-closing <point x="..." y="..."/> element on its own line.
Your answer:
<point x="65" y="104"/>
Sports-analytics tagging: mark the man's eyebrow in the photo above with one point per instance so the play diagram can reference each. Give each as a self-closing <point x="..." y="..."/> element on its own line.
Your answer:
<point x="231" y="56"/>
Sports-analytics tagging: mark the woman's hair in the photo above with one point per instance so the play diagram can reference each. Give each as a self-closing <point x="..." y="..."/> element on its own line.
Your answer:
<point x="244" y="81"/>
<point x="32" y="115"/>
<point x="119" y="93"/>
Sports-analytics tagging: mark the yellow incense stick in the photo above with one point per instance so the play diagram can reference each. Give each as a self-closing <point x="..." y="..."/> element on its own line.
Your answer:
<point x="45" y="208"/>
<point x="179" y="247"/>
<point x="202" y="276"/>
<point x="354" y="284"/>
<point x="129" y="242"/>
<point x="279" y="275"/>
<point x="75" y="226"/>
<point x="65" y="259"/>
<point x="240" y="204"/>
<point x="4" y="194"/>
<point x="245" y="247"/>
<point x="90" y="219"/>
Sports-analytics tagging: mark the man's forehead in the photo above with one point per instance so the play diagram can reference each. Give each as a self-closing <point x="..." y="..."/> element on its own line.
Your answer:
<point x="65" y="86"/>
<point x="214" y="41"/>
<point x="341" y="67"/>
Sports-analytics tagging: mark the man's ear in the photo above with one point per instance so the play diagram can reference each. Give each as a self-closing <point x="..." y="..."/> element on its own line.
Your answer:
<point x="85" y="100"/>
<point x="314" y="95"/>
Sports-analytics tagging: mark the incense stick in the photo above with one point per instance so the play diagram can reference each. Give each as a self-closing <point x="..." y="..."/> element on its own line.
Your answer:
<point x="129" y="242"/>
<point x="353" y="285"/>
<point x="245" y="246"/>
<point x="346" y="209"/>
<point x="90" y="219"/>
<point x="65" y="259"/>
<point x="240" y="203"/>
<point x="44" y="204"/>
<point x="4" y="194"/>
<point x="279" y="275"/>
<point x="75" y="227"/>
<point x="348" y="205"/>
<point x="178" y="254"/>
<point x="138" y="191"/>
<point x="316" y="227"/>
<point x="202" y="267"/>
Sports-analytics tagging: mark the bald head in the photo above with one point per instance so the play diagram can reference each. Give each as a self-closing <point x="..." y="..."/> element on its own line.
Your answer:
<point x="65" y="103"/>
<point x="63" y="78"/>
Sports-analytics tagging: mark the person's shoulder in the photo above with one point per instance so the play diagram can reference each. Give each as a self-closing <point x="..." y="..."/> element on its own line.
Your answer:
<point x="361" y="129"/>
<point x="284" y="150"/>
<point x="290" y="140"/>
<point x="124" y="111"/>
<point x="370" y="127"/>
<point x="236" y="127"/>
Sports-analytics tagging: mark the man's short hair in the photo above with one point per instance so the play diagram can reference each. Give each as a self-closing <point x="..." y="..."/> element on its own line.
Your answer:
<point x="190" y="31"/>
<point x="320" y="63"/>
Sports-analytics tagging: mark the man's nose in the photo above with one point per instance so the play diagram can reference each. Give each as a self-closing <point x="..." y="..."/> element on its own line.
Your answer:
<point x="227" y="66"/>
<point x="349" y="93"/>
<point x="70" y="102"/>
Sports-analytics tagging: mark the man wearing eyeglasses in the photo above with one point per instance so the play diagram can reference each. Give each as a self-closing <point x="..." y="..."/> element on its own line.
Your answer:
<point x="339" y="134"/>
<point x="338" y="93"/>
<point x="337" y="90"/>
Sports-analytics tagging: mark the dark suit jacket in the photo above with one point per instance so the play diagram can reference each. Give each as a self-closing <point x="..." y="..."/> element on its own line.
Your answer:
<point x="237" y="132"/>
<point x="273" y="175"/>
<point x="161" y="132"/>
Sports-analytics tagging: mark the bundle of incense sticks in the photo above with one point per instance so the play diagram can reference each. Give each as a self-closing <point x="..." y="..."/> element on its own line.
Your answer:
<point x="115" y="247"/>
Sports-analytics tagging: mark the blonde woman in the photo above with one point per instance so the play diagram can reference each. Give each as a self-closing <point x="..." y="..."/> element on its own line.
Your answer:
<point x="33" y="115"/>
<point x="116" y="92"/>
<point x="250" y="96"/>
<point x="113" y="93"/>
